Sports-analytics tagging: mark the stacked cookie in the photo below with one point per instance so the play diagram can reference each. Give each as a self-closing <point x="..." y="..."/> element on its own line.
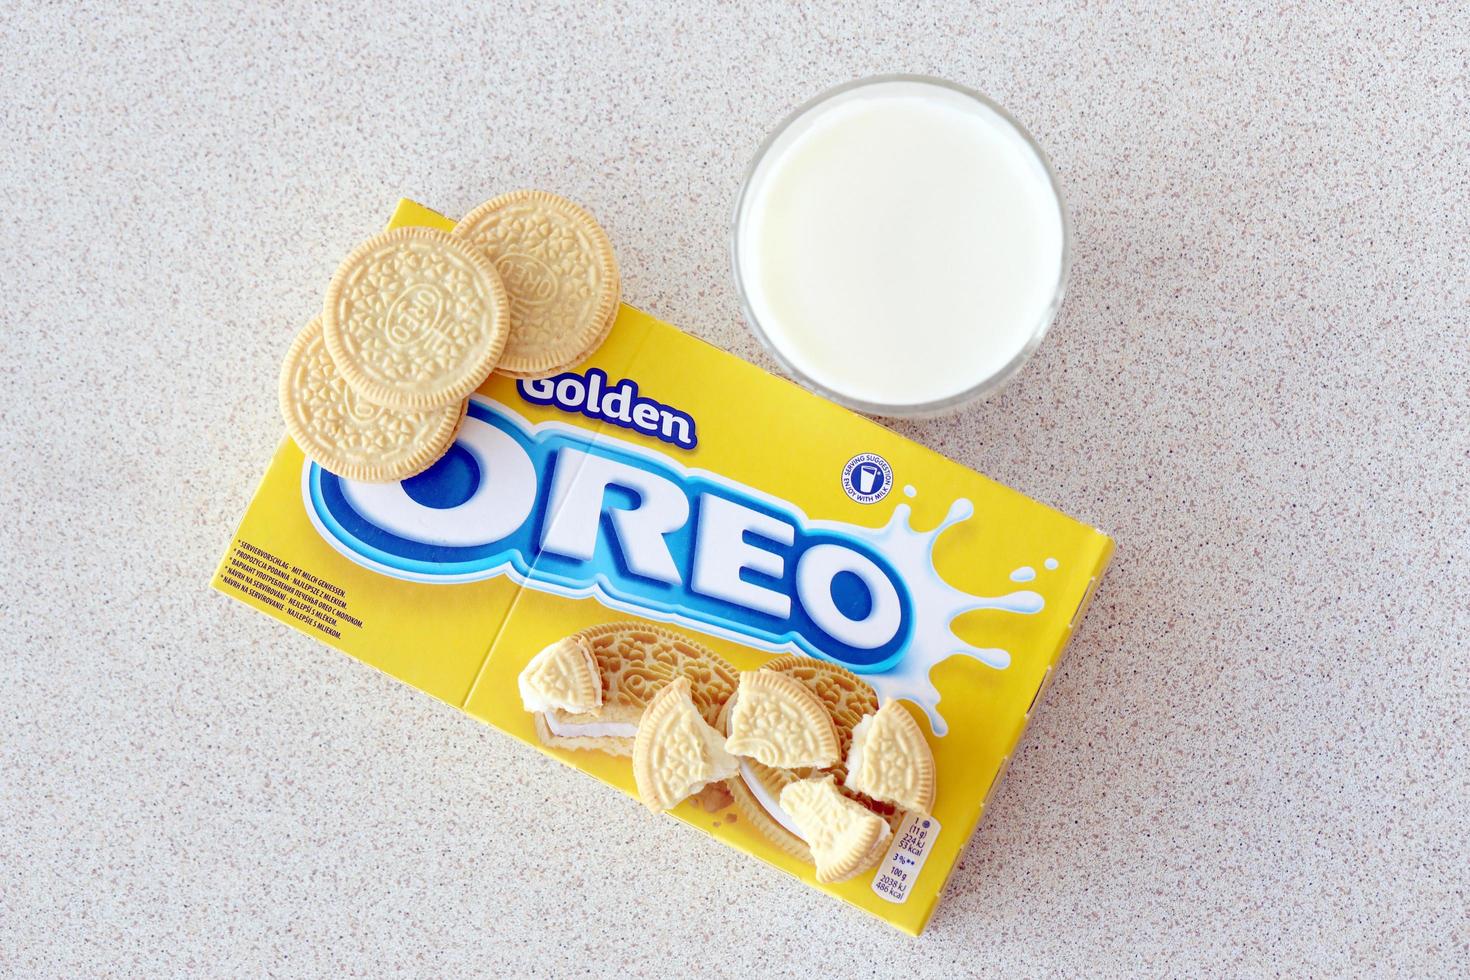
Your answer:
<point x="589" y="690"/>
<point x="837" y="809"/>
<point x="803" y="746"/>
<point x="415" y="319"/>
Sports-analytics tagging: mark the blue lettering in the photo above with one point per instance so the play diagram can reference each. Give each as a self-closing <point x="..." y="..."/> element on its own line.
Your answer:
<point x="565" y="511"/>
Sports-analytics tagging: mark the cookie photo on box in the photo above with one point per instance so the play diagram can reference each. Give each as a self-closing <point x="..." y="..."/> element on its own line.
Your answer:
<point x="634" y="662"/>
<point x="757" y="788"/>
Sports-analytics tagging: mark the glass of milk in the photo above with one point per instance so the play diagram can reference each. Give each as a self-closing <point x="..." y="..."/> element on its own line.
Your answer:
<point x="900" y="245"/>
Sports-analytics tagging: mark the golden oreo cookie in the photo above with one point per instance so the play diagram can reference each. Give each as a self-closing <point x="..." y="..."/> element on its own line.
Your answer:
<point x="777" y="721"/>
<point x="890" y="760"/>
<point x="845" y="838"/>
<point x="415" y="318"/>
<point x="559" y="271"/>
<point x="347" y="435"/>
<point x="562" y="676"/>
<point x="676" y="753"/>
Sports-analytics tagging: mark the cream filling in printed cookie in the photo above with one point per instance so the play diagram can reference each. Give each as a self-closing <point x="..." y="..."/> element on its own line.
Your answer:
<point x="855" y="753"/>
<point x="589" y="729"/>
<point x="767" y="801"/>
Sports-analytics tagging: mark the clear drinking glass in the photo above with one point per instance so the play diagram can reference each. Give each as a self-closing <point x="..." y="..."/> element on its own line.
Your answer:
<point x="771" y="148"/>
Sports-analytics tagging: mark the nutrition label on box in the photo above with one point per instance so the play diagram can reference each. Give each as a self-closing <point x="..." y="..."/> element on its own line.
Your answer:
<point x="905" y="859"/>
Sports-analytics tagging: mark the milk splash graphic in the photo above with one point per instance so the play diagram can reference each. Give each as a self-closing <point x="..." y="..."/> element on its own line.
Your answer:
<point x="936" y="605"/>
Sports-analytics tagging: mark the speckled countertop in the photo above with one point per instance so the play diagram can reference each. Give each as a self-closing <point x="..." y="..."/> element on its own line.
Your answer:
<point x="1255" y="757"/>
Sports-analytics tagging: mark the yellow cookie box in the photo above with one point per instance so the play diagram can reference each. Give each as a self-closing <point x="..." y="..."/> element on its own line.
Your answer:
<point x="666" y="481"/>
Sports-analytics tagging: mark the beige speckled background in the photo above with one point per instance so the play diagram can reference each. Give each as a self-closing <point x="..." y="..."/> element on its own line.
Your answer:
<point x="1255" y="759"/>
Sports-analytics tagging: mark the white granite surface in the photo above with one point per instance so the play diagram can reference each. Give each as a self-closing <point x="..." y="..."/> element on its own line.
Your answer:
<point x="1255" y="759"/>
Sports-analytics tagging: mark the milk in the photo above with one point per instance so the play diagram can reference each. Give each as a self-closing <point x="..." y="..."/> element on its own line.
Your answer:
<point x="901" y="245"/>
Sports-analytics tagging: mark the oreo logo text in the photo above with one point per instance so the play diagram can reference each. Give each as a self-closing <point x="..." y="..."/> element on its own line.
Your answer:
<point x="561" y="510"/>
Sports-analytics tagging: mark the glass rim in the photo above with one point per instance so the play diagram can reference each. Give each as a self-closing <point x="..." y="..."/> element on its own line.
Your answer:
<point x="986" y="386"/>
